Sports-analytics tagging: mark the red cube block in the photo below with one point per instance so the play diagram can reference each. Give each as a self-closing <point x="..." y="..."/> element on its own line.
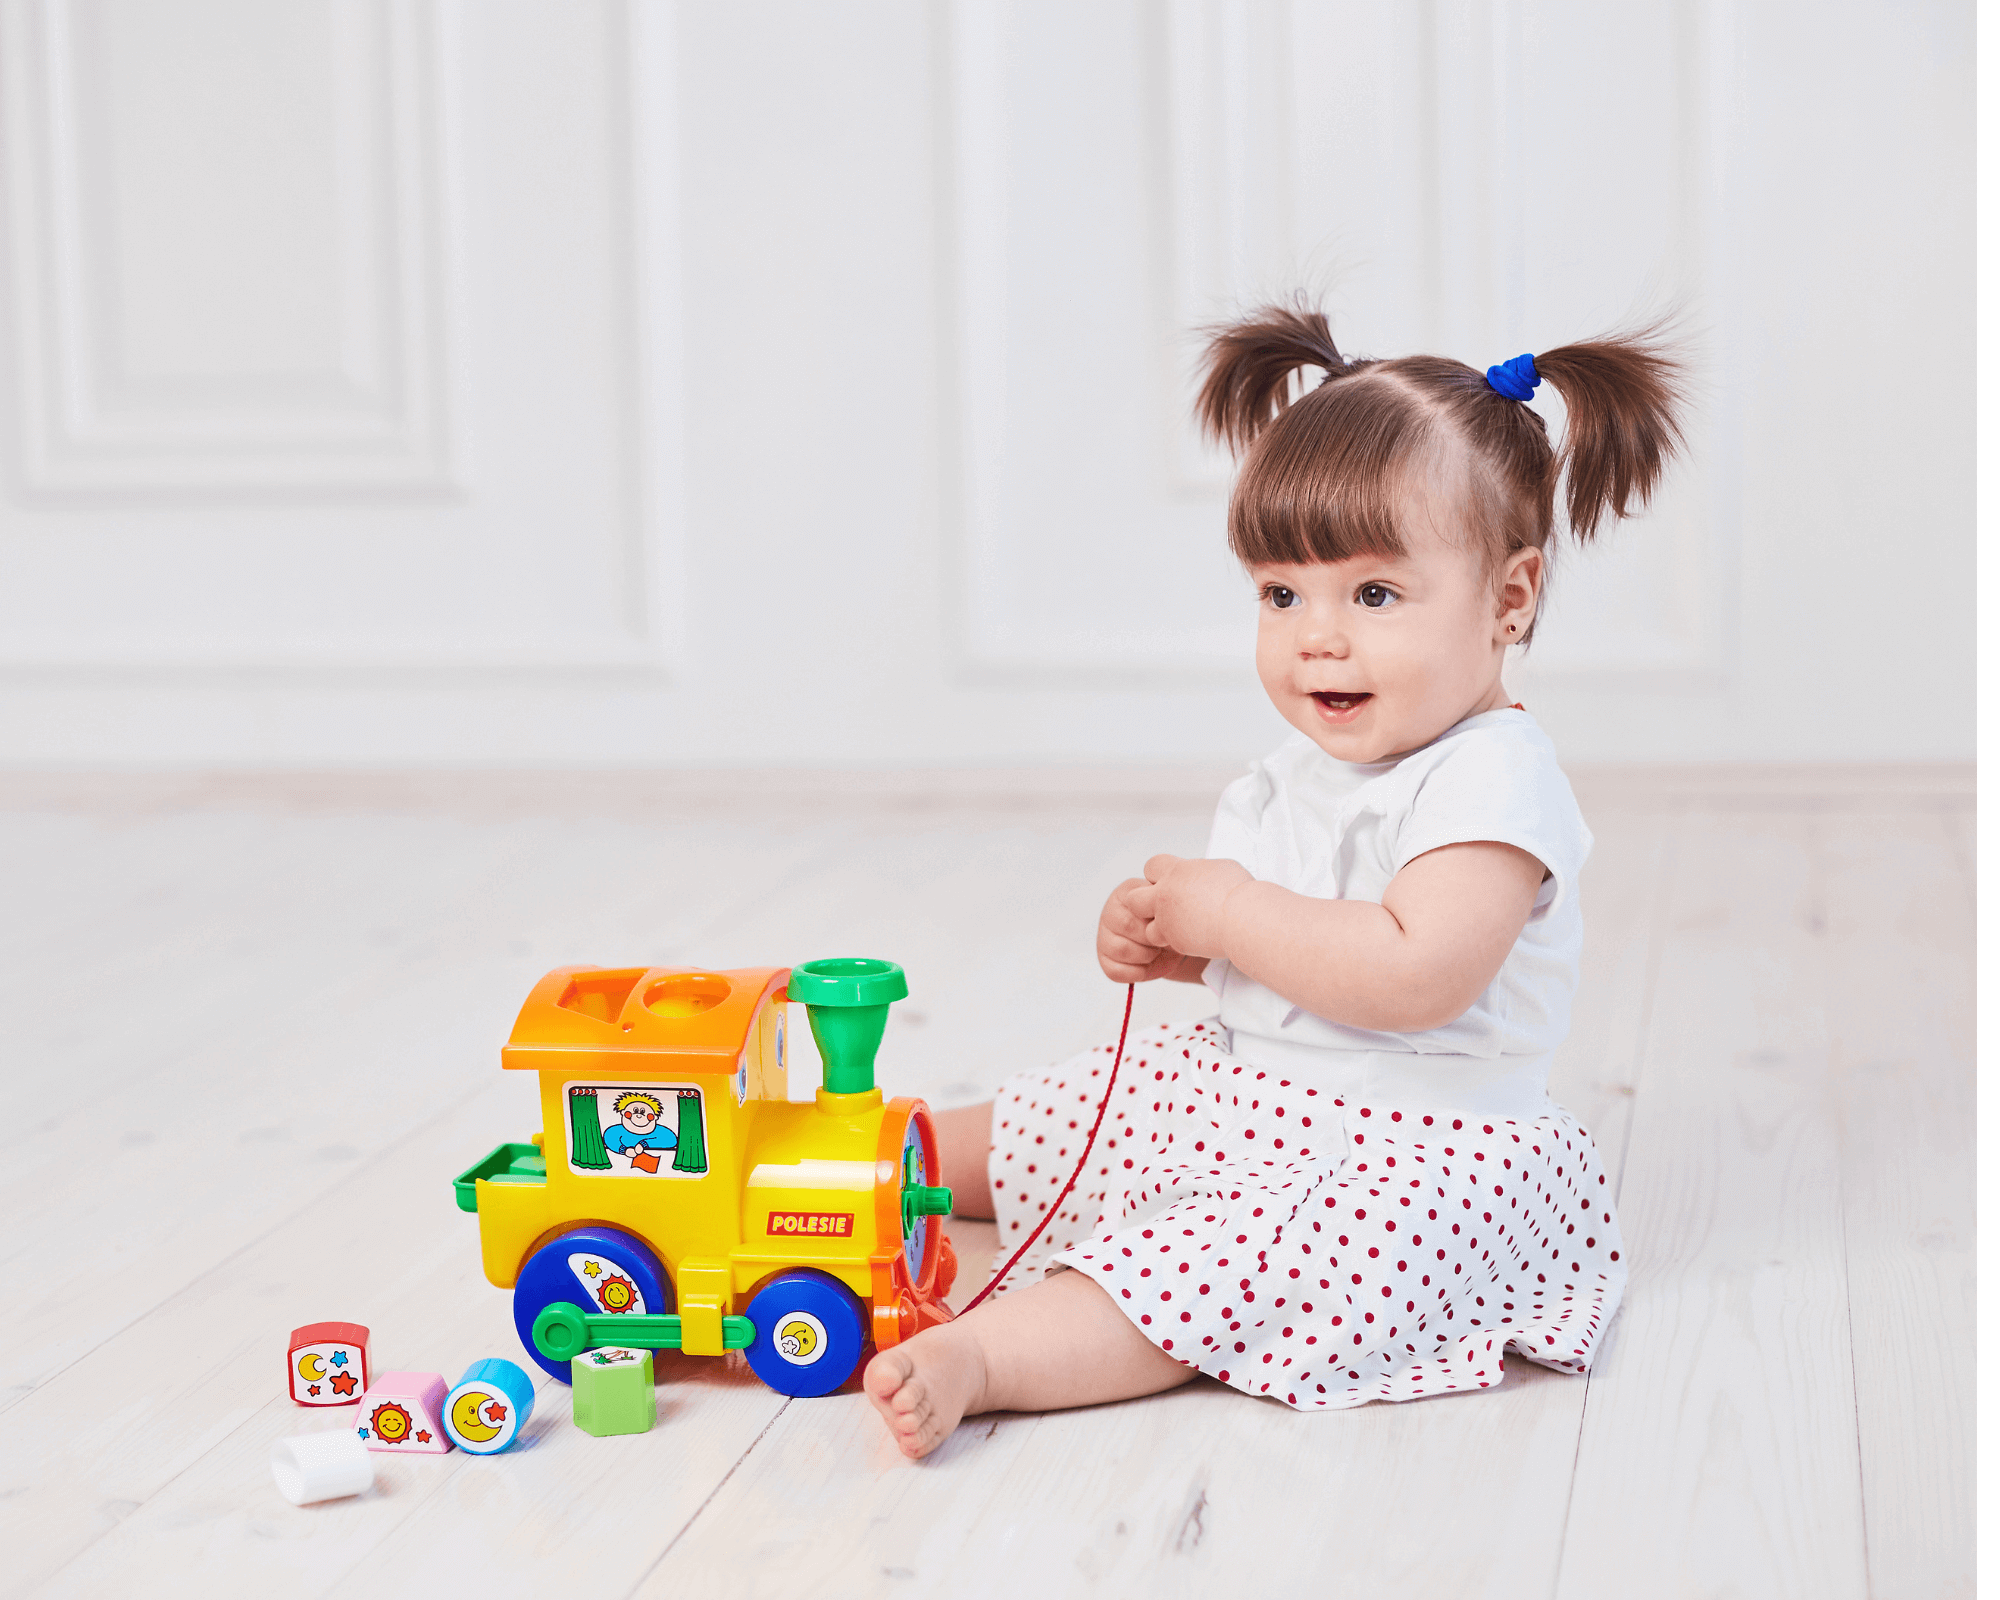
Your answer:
<point x="327" y="1364"/>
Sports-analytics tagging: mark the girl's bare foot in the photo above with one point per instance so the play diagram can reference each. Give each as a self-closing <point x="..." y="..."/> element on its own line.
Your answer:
<point x="925" y="1385"/>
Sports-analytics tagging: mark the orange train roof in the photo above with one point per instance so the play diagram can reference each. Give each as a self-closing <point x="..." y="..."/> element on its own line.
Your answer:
<point x="652" y="1011"/>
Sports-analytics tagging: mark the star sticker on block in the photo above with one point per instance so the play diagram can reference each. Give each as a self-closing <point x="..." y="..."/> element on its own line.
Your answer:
<point x="496" y="1412"/>
<point x="423" y="1436"/>
<point x="343" y="1383"/>
<point x="338" y="1358"/>
<point x="591" y="1269"/>
<point x="362" y="1431"/>
<point x="312" y="1388"/>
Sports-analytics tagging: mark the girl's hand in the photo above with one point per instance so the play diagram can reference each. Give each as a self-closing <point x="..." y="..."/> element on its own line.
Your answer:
<point x="1182" y="903"/>
<point x="1123" y="948"/>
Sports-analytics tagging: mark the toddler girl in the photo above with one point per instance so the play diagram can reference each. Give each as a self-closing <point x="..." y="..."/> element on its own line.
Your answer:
<point x="1350" y="1184"/>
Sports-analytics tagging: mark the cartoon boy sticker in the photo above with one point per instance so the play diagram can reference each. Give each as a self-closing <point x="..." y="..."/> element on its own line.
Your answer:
<point x="637" y="1135"/>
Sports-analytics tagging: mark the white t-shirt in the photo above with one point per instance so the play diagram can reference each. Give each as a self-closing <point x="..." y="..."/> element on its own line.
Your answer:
<point x="1341" y="831"/>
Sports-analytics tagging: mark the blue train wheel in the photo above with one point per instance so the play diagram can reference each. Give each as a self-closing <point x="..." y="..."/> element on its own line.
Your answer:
<point x="600" y="1271"/>
<point x="809" y="1329"/>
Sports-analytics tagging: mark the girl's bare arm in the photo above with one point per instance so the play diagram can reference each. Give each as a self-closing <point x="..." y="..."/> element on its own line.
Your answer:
<point x="1416" y="961"/>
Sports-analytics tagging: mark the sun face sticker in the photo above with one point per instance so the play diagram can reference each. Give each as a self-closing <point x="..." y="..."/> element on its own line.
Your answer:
<point x="604" y="1286"/>
<point x="615" y="1293"/>
<point x="391" y="1422"/>
<point x="800" y="1338"/>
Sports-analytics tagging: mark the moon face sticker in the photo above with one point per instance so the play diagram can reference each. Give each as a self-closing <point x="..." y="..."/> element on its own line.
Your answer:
<point x="480" y="1418"/>
<point x="799" y="1338"/>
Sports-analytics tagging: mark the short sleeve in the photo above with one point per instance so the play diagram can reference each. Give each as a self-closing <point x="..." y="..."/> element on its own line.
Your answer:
<point x="1500" y="785"/>
<point x="1238" y="817"/>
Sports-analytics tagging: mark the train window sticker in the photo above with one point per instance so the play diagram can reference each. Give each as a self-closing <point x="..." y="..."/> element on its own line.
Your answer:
<point x="642" y="1130"/>
<point x="741" y="1081"/>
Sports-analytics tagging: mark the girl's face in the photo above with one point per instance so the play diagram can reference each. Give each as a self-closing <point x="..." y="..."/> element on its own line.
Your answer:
<point x="1375" y="656"/>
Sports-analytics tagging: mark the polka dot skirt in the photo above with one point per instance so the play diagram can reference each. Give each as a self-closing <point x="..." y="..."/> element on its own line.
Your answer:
<point x="1299" y="1246"/>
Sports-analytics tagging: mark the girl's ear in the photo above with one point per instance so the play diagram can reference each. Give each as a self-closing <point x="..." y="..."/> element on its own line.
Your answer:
<point x="1519" y="592"/>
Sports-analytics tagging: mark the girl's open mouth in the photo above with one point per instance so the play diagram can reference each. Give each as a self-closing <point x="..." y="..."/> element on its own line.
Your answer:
<point x="1336" y="707"/>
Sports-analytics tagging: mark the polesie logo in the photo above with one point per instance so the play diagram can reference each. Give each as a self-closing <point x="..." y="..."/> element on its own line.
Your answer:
<point x="831" y="1224"/>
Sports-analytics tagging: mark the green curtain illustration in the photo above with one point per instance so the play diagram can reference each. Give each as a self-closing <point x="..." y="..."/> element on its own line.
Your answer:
<point x="586" y="1137"/>
<point x="691" y="1152"/>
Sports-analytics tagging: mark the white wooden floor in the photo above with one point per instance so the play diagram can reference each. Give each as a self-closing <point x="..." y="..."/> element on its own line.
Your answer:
<point x="252" y="1030"/>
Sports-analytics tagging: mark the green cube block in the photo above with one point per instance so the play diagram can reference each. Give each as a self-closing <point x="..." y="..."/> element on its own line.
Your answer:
<point x="611" y="1390"/>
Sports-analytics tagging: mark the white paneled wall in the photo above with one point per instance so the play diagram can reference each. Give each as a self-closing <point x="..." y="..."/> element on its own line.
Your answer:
<point x="614" y="381"/>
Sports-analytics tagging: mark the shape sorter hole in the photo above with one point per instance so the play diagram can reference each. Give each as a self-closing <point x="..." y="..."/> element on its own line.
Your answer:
<point x="687" y="994"/>
<point x="601" y="995"/>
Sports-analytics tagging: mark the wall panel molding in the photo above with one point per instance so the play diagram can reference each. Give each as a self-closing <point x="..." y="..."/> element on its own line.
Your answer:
<point x="1235" y="226"/>
<point x="363" y="402"/>
<point x="1485" y="274"/>
<point x="1219" y="169"/>
<point x="381" y="432"/>
<point x="1230" y="186"/>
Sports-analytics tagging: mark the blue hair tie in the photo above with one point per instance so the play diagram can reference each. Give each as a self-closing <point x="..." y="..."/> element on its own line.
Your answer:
<point x="1515" y="379"/>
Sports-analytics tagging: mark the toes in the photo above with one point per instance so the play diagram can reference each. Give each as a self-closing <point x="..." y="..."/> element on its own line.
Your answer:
<point x="887" y="1375"/>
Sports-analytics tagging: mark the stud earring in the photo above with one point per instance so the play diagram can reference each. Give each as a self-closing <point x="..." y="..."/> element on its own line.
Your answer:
<point x="1510" y="627"/>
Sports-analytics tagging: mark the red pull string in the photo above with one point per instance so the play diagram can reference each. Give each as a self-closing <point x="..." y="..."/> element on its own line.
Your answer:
<point x="1103" y="1107"/>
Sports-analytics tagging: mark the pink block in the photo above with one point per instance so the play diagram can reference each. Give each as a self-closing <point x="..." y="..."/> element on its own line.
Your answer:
<point x="403" y="1413"/>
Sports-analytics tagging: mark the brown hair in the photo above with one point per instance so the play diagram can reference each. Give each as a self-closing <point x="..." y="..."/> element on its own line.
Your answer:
<point x="1324" y="475"/>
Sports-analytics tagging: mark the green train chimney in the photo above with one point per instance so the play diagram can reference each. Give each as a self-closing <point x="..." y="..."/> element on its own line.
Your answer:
<point x="847" y="1001"/>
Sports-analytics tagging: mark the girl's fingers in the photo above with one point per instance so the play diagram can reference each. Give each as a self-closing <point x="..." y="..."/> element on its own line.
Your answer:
<point x="1125" y="969"/>
<point x="1123" y="921"/>
<point x="1130" y="952"/>
<point x="1159" y="867"/>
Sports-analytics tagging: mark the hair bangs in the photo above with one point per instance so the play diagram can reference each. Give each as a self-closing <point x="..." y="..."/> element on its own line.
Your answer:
<point x="1327" y="479"/>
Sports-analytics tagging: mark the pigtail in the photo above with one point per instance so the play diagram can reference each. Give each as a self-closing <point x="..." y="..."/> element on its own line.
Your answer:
<point x="1623" y="395"/>
<point x="1250" y="366"/>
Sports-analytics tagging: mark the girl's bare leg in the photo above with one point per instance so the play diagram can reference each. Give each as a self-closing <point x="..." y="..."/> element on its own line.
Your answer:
<point x="965" y="1140"/>
<point x="1055" y="1344"/>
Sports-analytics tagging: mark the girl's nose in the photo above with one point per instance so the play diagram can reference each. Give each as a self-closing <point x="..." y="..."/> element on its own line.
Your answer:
<point x="1323" y="637"/>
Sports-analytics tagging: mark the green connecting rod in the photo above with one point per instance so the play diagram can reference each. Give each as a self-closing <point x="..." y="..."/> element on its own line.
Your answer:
<point x="563" y="1332"/>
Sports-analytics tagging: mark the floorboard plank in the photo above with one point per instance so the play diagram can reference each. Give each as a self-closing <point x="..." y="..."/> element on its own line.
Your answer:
<point x="1900" y="999"/>
<point x="1718" y="1453"/>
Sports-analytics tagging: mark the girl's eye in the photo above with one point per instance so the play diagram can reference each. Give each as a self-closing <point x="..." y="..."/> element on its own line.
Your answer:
<point x="1281" y="598"/>
<point x="1375" y="596"/>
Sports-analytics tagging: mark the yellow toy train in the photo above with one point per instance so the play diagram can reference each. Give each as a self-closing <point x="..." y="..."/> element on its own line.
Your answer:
<point x="676" y="1198"/>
